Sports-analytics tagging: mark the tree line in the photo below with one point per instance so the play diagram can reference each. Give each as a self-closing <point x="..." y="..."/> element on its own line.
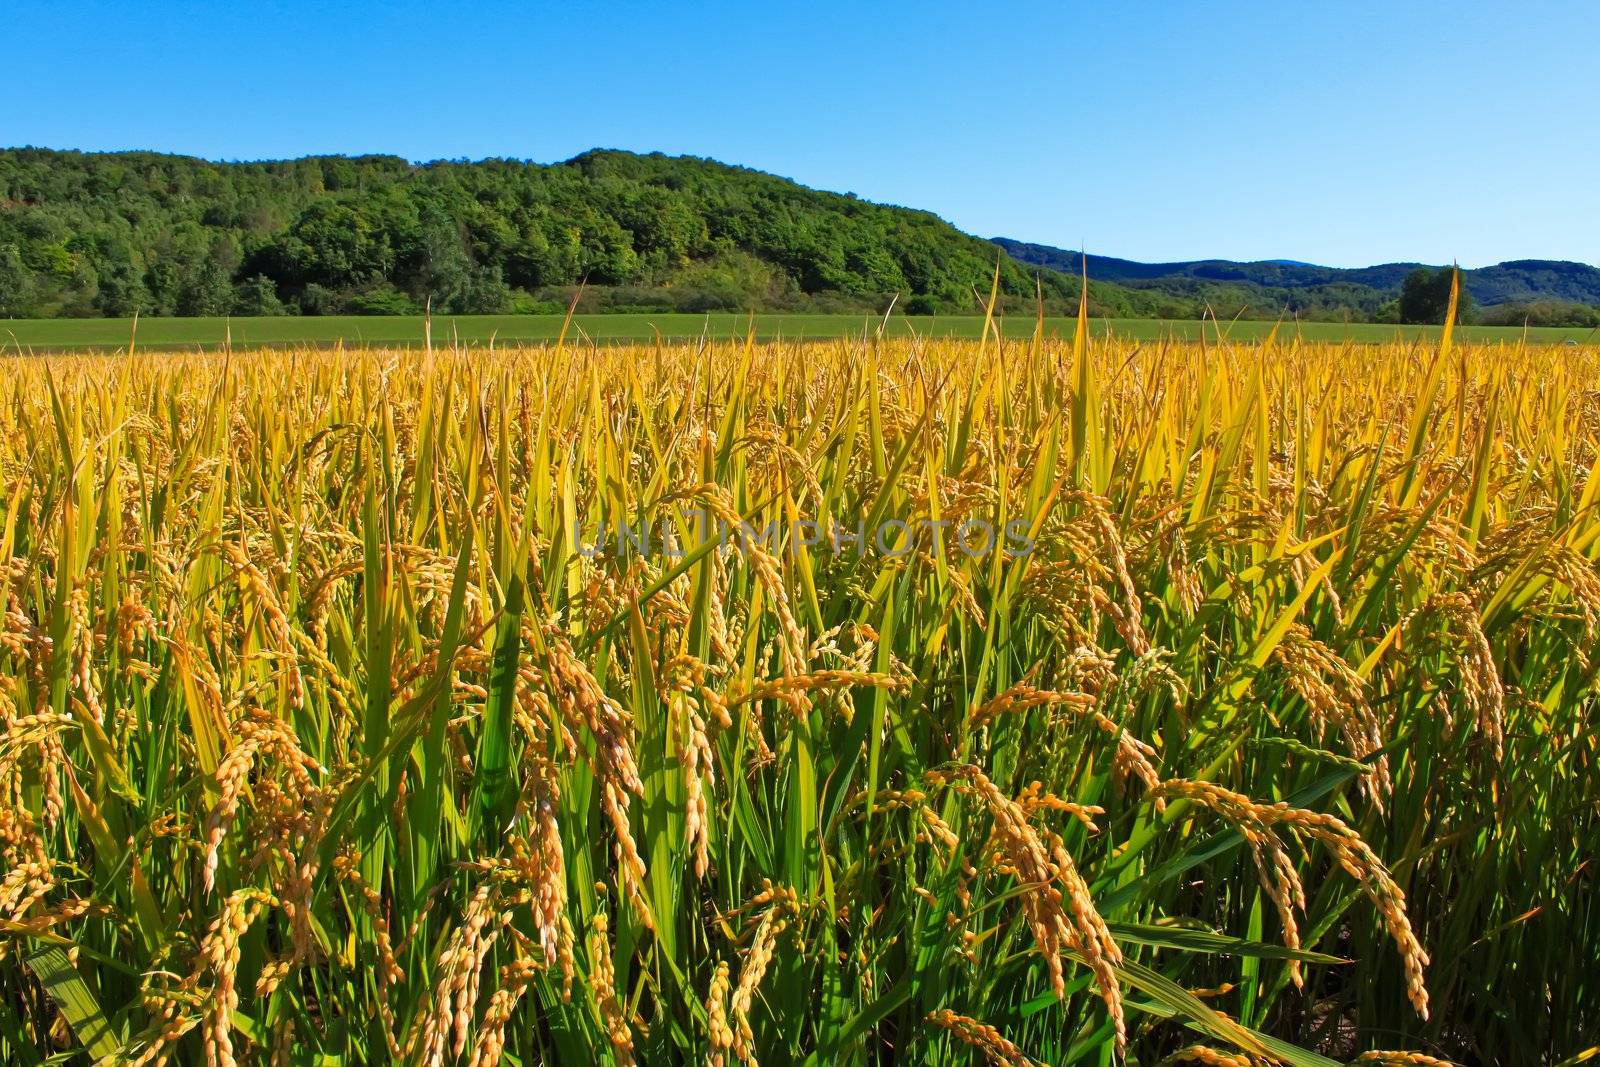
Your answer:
<point x="111" y="234"/>
<point x="86" y="234"/>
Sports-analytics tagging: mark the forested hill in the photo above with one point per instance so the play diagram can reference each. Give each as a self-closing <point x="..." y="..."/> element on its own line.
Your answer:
<point x="1538" y="289"/>
<point x="86" y="234"/>
<point x="106" y="234"/>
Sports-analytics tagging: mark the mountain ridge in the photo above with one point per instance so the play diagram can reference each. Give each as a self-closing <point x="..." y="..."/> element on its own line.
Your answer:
<point x="1512" y="281"/>
<point x="111" y="234"/>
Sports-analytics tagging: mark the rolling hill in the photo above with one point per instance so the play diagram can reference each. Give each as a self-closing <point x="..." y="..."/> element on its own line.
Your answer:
<point x="1514" y="282"/>
<point x="87" y="235"/>
<point x="84" y="235"/>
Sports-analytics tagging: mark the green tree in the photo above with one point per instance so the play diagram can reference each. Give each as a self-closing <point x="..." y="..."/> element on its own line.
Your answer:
<point x="441" y="269"/>
<point x="257" y="296"/>
<point x="16" y="284"/>
<point x="208" y="292"/>
<point x="1425" y="296"/>
<point x="330" y="245"/>
<point x="122" y="287"/>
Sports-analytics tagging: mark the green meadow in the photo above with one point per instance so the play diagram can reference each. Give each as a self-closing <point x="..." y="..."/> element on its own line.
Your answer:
<point x="357" y="330"/>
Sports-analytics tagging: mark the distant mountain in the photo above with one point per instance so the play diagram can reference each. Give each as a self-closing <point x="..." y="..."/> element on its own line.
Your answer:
<point x="1521" y="280"/>
<point x="84" y="234"/>
<point x="1516" y="281"/>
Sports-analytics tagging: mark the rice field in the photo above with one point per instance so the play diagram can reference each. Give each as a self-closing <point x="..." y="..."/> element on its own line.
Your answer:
<point x="878" y="700"/>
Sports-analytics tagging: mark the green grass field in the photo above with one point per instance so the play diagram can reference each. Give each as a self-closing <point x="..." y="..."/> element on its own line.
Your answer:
<point x="48" y="334"/>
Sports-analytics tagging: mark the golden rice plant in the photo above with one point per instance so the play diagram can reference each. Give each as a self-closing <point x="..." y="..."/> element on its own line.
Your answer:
<point x="1262" y="731"/>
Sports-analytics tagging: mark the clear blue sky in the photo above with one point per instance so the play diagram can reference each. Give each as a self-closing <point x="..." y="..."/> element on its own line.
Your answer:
<point x="1345" y="134"/>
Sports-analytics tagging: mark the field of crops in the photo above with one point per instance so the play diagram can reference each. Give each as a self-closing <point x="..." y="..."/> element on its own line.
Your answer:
<point x="355" y="331"/>
<point x="1008" y="700"/>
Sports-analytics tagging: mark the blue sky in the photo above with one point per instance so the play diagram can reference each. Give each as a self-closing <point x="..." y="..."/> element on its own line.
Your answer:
<point x="1345" y="134"/>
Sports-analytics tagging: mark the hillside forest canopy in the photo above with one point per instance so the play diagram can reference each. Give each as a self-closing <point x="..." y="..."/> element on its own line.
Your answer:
<point x="109" y="235"/>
